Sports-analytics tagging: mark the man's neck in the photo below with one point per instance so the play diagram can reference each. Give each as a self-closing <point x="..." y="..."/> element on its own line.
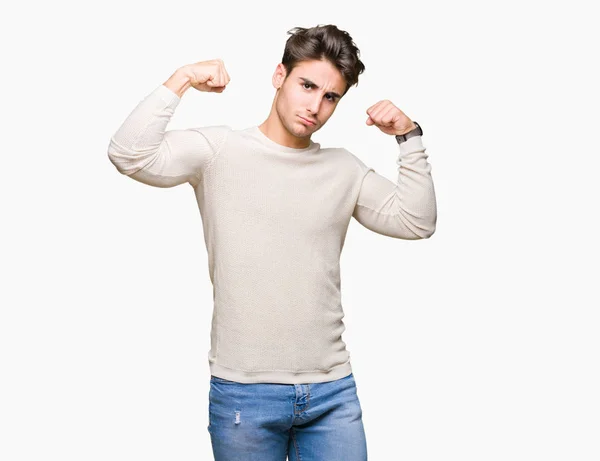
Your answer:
<point x="277" y="133"/>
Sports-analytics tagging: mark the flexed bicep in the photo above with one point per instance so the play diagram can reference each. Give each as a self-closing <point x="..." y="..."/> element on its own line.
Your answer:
<point x="405" y="209"/>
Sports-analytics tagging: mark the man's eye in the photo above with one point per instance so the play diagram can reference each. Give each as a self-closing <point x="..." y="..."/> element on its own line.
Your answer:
<point x="329" y="97"/>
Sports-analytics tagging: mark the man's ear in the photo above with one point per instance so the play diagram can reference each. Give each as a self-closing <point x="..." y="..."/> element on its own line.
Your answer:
<point x="279" y="75"/>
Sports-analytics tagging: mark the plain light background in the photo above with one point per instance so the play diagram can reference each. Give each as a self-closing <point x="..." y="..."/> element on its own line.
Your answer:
<point x="480" y="343"/>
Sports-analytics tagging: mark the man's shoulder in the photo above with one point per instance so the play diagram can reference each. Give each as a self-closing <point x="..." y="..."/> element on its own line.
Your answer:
<point x="349" y="158"/>
<point x="217" y="130"/>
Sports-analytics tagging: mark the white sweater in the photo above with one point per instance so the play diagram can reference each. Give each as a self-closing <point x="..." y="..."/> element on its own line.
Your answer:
<point x="274" y="221"/>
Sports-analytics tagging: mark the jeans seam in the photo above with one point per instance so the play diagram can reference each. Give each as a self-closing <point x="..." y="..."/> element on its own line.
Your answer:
<point x="296" y="448"/>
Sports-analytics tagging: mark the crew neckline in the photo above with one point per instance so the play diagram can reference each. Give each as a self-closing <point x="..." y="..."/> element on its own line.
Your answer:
<point x="255" y="130"/>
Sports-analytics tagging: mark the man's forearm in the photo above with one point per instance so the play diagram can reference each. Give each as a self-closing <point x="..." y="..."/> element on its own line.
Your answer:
<point x="180" y="81"/>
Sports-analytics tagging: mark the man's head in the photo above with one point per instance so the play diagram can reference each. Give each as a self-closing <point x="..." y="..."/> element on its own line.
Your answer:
<point x="318" y="67"/>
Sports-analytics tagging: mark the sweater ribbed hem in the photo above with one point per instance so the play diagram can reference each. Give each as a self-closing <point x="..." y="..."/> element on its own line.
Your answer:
<point x="281" y="377"/>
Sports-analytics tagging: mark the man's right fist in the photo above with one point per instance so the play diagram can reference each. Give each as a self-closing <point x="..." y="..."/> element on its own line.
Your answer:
<point x="209" y="76"/>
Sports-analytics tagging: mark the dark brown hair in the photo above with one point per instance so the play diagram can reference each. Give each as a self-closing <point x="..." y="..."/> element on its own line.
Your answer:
<point x="324" y="42"/>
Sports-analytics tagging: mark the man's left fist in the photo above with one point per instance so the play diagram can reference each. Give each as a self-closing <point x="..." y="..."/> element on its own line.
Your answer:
<point x="389" y="119"/>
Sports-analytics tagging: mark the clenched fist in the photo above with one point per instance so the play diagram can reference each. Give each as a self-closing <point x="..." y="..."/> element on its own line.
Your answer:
<point x="210" y="76"/>
<point x="389" y="118"/>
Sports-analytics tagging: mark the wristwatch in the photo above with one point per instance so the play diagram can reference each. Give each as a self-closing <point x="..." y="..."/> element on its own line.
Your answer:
<point x="418" y="131"/>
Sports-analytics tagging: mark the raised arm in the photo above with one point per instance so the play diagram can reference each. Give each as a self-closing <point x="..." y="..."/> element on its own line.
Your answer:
<point x="144" y="150"/>
<point x="406" y="209"/>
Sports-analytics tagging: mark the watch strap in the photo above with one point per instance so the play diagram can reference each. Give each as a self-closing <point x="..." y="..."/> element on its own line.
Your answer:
<point x="418" y="131"/>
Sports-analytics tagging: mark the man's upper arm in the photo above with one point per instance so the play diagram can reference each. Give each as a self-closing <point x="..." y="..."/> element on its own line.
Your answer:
<point x="143" y="149"/>
<point x="182" y="156"/>
<point x="405" y="209"/>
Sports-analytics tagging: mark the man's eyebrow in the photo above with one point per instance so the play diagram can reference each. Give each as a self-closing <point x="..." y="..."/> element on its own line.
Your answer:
<point x="305" y="80"/>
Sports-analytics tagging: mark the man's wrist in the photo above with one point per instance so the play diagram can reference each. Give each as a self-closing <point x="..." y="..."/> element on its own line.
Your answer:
<point x="412" y="127"/>
<point x="180" y="81"/>
<point x="415" y="131"/>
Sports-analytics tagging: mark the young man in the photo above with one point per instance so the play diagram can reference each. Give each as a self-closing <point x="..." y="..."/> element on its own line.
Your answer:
<point x="275" y="208"/>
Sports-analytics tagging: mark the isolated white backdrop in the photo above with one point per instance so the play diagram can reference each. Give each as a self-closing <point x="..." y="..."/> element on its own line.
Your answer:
<point x="480" y="343"/>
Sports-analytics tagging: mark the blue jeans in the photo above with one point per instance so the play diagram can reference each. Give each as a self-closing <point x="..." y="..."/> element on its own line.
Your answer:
<point x="271" y="421"/>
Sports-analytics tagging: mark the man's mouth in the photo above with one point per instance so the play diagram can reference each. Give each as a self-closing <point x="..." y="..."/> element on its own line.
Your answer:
<point x="310" y="122"/>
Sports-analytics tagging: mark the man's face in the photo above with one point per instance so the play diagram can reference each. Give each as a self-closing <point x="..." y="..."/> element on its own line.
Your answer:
<point x="310" y="92"/>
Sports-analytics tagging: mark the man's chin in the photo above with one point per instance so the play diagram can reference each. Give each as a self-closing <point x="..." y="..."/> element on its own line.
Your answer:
<point x="308" y="129"/>
<point x="303" y="132"/>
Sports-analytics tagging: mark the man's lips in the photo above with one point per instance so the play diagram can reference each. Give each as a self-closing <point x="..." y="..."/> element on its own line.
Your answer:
<point x="306" y="120"/>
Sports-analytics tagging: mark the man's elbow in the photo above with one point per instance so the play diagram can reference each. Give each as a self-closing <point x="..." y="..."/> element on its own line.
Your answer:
<point x="421" y="234"/>
<point x="414" y="230"/>
<point x="116" y="158"/>
<point x="115" y="161"/>
<point x="126" y="163"/>
<point x="428" y="233"/>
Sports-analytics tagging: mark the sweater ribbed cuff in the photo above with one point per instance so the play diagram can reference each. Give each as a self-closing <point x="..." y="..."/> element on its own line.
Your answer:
<point x="414" y="144"/>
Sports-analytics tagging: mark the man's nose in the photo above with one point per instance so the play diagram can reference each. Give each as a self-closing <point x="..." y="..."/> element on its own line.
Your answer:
<point x="314" y="106"/>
